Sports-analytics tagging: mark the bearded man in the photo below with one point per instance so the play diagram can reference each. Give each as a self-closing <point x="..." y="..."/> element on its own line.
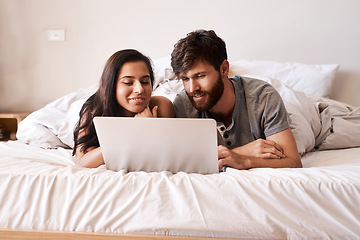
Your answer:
<point x="252" y="122"/>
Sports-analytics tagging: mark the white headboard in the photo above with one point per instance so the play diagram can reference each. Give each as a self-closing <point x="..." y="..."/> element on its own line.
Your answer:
<point x="35" y="71"/>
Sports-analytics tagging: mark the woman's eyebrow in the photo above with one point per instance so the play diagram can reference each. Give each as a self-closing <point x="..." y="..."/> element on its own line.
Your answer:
<point x="127" y="77"/>
<point x="132" y="77"/>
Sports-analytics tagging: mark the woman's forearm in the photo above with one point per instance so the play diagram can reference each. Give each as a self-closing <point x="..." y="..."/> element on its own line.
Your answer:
<point x="92" y="159"/>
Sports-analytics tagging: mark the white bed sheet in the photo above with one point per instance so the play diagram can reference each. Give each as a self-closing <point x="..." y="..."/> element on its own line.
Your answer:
<point x="42" y="189"/>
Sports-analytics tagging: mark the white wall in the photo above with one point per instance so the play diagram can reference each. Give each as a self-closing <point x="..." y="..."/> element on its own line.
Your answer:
<point x="34" y="71"/>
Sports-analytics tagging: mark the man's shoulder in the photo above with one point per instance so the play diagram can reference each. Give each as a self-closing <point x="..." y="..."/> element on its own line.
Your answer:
<point x="250" y="82"/>
<point x="181" y="98"/>
<point x="254" y="87"/>
<point x="265" y="107"/>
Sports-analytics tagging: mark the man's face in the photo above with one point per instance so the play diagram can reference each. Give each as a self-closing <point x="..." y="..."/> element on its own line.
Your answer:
<point x="203" y="85"/>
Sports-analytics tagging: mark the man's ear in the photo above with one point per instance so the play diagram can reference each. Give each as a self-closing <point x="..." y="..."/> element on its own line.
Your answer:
<point x="225" y="68"/>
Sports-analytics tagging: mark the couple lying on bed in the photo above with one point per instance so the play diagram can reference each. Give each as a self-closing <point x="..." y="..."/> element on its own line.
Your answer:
<point x="253" y="125"/>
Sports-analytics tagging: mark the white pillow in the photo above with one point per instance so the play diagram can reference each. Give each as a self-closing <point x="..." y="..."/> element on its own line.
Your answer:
<point x="37" y="134"/>
<point x="52" y="126"/>
<point x="162" y="71"/>
<point x="316" y="80"/>
<point x="169" y="89"/>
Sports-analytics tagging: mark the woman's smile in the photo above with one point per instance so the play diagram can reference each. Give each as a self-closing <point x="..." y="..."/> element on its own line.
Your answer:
<point x="137" y="100"/>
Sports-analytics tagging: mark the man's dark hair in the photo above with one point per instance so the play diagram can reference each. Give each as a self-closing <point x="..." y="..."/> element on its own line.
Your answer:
<point x="199" y="44"/>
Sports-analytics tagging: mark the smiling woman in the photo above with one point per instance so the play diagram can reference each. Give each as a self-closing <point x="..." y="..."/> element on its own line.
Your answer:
<point x="133" y="90"/>
<point x="124" y="91"/>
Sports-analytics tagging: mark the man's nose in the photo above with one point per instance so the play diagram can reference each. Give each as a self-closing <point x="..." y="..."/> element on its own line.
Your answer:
<point x="194" y="86"/>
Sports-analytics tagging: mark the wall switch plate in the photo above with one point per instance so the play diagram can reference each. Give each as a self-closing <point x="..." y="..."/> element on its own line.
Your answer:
<point x="56" y="35"/>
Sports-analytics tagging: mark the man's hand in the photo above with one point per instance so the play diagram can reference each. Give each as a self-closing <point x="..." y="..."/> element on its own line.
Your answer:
<point x="147" y="112"/>
<point x="229" y="158"/>
<point x="261" y="148"/>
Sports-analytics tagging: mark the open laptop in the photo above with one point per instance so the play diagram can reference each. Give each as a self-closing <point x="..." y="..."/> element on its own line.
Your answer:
<point x="158" y="144"/>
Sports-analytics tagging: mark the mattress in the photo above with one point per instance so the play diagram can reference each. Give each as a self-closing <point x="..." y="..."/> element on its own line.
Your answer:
<point x="42" y="189"/>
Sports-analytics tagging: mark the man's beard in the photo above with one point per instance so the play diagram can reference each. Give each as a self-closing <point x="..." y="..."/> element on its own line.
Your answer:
<point x="213" y="96"/>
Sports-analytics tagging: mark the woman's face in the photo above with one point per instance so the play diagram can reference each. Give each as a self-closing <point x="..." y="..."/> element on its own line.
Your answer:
<point x="133" y="89"/>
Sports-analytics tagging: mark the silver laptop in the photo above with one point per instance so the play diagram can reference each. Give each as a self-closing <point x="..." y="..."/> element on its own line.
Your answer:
<point x="158" y="144"/>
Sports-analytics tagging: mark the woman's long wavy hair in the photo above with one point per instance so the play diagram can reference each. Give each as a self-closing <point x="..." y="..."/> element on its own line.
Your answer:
<point x="103" y="102"/>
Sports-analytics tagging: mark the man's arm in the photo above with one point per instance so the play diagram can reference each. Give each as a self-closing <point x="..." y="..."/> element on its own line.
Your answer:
<point x="277" y="151"/>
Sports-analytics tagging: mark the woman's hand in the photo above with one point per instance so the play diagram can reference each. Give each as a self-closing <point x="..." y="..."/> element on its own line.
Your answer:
<point x="147" y="112"/>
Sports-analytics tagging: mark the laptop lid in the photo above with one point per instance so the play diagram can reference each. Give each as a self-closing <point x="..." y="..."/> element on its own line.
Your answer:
<point x="158" y="144"/>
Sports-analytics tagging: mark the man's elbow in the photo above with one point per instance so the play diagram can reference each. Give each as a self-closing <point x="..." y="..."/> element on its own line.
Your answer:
<point x="296" y="163"/>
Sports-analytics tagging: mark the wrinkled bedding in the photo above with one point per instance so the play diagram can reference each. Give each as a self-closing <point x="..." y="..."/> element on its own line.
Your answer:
<point x="43" y="189"/>
<point x="319" y="123"/>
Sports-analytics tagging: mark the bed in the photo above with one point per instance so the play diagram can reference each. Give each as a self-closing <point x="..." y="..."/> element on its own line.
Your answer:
<point x="44" y="194"/>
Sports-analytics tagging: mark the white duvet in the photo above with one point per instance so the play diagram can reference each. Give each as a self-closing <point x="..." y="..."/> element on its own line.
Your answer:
<point x="43" y="189"/>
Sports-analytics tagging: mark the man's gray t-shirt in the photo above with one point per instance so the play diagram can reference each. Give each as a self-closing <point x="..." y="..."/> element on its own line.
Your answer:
<point x="258" y="113"/>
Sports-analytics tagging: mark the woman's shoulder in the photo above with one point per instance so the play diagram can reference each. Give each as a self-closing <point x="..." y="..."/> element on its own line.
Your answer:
<point x="165" y="106"/>
<point x="159" y="99"/>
